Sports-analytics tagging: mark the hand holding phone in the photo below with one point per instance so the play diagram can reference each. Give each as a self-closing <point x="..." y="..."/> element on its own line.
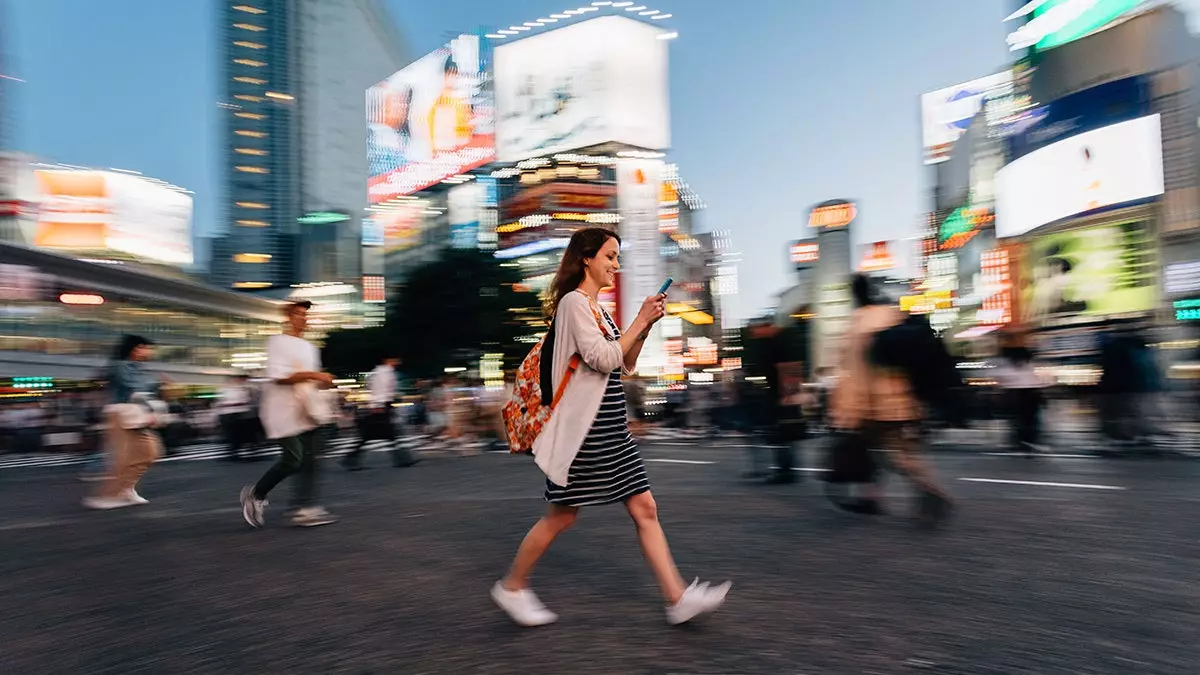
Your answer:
<point x="666" y="286"/>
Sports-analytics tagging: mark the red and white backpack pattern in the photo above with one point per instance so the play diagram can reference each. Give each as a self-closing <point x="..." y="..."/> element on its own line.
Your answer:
<point x="526" y="414"/>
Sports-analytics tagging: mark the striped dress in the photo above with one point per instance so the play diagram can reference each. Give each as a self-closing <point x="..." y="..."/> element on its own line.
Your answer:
<point x="608" y="467"/>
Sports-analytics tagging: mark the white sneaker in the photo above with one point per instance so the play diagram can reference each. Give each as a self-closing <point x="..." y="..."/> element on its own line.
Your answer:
<point x="312" y="516"/>
<point x="522" y="606"/>
<point x="105" y="503"/>
<point x="698" y="600"/>
<point x="133" y="497"/>
<point x="252" y="509"/>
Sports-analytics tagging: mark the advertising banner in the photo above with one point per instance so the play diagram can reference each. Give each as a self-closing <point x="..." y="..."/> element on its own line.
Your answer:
<point x="1056" y="22"/>
<point x="465" y="203"/>
<point x="599" y="81"/>
<point x="110" y="211"/>
<point x="429" y="121"/>
<point x="1114" y="165"/>
<point x="1089" y="274"/>
<point x="642" y="273"/>
<point x="1088" y="110"/>
<point x="401" y="226"/>
<point x="946" y="113"/>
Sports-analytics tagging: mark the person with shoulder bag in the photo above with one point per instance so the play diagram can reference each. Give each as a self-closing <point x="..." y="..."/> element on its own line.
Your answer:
<point x="130" y="419"/>
<point x="890" y="366"/>
<point x="293" y="410"/>
<point x="585" y="447"/>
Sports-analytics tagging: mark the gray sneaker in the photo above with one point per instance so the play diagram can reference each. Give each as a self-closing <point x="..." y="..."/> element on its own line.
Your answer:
<point x="252" y="509"/>
<point x="312" y="516"/>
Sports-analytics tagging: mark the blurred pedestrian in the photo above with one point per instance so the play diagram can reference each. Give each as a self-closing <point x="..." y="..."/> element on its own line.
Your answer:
<point x="1016" y="375"/>
<point x="586" y="449"/>
<point x="234" y="411"/>
<point x="293" y="411"/>
<point x="376" y="423"/>
<point x="131" y="417"/>
<point x="876" y="407"/>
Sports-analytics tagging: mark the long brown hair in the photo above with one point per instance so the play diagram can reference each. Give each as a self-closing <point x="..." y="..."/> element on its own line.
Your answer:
<point x="585" y="243"/>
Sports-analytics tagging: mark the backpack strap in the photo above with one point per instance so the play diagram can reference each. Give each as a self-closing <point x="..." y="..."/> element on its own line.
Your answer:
<point x="576" y="359"/>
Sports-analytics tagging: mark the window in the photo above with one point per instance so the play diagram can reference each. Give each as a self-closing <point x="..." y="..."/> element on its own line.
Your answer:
<point x="248" y="97"/>
<point x="251" y="151"/>
<point x="250" y="45"/>
<point x="250" y="27"/>
<point x="250" y="116"/>
<point x="252" y="169"/>
<point x="249" y="10"/>
<point x="250" y="62"/>
<point x="252" y="258"/>
<point x="253" y="205"/>
<point x="250" y="80"/>
<point x="251" y="134"/>
<point x="253" y="223"/>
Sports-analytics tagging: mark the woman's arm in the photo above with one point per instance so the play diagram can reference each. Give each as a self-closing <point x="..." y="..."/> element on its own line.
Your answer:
<point x="631" y="356"/>
<point x="597" y="350"/>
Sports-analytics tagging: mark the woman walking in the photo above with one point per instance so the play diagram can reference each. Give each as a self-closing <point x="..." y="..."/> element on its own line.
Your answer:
<point x="130" y="418"/>
<point x="586" y="450"/>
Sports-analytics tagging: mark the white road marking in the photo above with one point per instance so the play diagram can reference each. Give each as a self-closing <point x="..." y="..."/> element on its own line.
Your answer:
<point x="1049" y="455"/>
<point x="1038" y="483"/>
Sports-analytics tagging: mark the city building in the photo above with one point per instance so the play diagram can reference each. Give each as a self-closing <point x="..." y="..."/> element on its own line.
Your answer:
<point x="61" y="318"/>
<point x="1067" y="202"/>
<point x="294" y="72"/>
<point x="511" y="145"/>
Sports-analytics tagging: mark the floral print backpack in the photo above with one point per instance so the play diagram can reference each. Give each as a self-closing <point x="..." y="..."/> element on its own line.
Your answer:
<point x="529" y="409"/>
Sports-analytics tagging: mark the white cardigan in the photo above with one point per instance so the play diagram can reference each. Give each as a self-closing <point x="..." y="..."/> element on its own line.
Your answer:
<point x="576" y="332"/>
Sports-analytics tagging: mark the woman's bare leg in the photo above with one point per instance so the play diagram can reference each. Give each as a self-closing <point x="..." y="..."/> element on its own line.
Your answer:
<point x="644" y="511"/>
<point x="537" y="540"/>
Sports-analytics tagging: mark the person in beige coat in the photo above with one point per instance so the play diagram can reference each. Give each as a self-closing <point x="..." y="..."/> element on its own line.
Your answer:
<point x="879" y="404"/>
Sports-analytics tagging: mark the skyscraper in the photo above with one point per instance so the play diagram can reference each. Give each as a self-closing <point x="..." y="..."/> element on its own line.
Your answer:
<point x="294" y="72"/>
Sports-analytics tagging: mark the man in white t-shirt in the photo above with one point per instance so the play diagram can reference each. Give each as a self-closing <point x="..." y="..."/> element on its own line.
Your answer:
<point x="375" y="423"/>
<point x="292" y="411"/>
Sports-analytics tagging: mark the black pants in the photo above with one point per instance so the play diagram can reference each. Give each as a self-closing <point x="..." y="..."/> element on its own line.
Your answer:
<point x="1027" y="409"/>
<point x="236" y="429"/>
<point x="377" y="425"/>
<point x="298" y="456"/>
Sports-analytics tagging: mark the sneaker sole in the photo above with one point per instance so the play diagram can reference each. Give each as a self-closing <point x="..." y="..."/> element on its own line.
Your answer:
<point x="313" y="523"/>
<point x="245" y="499"/>
<point x="495" y="593"/>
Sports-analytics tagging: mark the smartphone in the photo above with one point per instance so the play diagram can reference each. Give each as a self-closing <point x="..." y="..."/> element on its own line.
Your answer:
<point x="666" y="286"/>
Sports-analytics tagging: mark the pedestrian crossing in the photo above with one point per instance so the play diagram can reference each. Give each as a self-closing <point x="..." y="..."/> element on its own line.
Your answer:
<point x="210" y="451"/>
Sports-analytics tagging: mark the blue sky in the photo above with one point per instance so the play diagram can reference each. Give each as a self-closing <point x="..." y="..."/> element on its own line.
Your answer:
<point x="776" y="104"/>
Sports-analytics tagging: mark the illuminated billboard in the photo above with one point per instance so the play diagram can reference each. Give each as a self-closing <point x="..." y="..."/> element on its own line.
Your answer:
<point x="804" y="253"/>
<point x="1090" y="274"/>
<point x="1109" y="166"/>
<point x="833" y="214"/>
<point x="108" y="211"/>
<point x="947" y="113"/>
<point x="1050" y="23"/>
<point x="432" y="120"/>
<point x="599" y="81"/>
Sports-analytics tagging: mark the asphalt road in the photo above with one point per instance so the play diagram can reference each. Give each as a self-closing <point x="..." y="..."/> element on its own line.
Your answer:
<point x="1057" y="565"/>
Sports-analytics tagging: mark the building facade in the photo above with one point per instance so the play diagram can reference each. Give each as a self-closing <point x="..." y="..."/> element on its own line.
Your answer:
<point x="294" y="73"/>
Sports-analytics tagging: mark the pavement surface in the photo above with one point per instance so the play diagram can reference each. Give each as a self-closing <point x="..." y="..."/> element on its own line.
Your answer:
<point x="1065" y="564"/>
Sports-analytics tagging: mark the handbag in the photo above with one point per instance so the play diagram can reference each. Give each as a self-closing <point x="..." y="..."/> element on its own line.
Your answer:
<point x="314" y="403"/>
<point x="134" y="416"/>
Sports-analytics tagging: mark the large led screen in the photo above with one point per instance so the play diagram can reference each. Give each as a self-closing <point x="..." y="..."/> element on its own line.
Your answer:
<point x="1106" y="167"/>
<point x="947" y="113"/>
<point x="431" y="120"/>
<point x="599" y="81"/>
<point x="1089" y="274"/>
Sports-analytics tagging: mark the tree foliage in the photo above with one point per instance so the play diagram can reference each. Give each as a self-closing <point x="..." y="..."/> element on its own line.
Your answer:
<point x="447" y="313"/>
